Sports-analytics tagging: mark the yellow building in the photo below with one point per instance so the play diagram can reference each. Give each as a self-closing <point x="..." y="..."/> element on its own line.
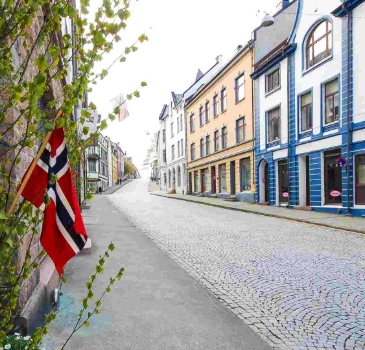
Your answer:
<point x="115" y="167"/>
<point x="220" y="131"/>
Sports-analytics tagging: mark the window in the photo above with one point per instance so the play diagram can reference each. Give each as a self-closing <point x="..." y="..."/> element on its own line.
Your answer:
<point x="306" y="112"/>
<point x="178" y="125"/>
<point x="245" y="174"/>
<point x="360" y="179"/>
<point x="173" y="152"/>
<point x="201" y="121"/>
<point x="196" y="181"/>
<point x="240" y="88"/>
<point x="207" y="145"/>
<point x="92" y="166"/>
<point x="192" y="151"/>
<point x="215" y="105"/>
<point x="207" y="112"/>
<point x="273" y="81"/>
<point x="182" y="147"/>
<point x="172" y="129"/>
<point x="216" y="141"/>
<point x="178" y="149"/>
<point x="192" y="123"/>
<point x="181" y="122"/>
<point x="223" y="99"/>
<point x="332" y="177"/>
<point x="319" y="44"/>
<point x="202" y="147"/>
<point x="224" y="137"/>
<point x="222" y="178"/>
<point x="331" y="102"/>
<point x="164" y="155"/>
<point x="273" y="123"/>
<point x="240" y="130"/>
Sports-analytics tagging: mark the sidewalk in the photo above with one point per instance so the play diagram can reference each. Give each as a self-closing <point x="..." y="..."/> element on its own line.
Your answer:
<point x="153" y="187"/>
<point x="156" y="306"/>
<point x="352" y="224"/>
<point x="114" y="188"/>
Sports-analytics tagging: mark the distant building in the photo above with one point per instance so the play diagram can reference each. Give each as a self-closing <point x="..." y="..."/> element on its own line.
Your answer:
<point x="97" y="164"/>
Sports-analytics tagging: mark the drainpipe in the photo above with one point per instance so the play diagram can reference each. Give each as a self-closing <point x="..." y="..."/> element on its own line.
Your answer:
<point x="348" y="112"/>
<point x="288" y="111"/>
<point x="253" y="121"/>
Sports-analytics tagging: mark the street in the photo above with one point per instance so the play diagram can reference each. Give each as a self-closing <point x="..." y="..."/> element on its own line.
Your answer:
<point x="296" y="284"/>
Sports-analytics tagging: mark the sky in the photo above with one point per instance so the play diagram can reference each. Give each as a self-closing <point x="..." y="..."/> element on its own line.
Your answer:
<point x="184" y="36"/>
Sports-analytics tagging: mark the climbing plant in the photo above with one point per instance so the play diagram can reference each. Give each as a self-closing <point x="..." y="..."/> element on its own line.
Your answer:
<point x="37" y="58"/>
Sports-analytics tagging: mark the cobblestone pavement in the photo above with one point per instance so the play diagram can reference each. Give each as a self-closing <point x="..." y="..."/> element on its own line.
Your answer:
<point x="299" y="286"/>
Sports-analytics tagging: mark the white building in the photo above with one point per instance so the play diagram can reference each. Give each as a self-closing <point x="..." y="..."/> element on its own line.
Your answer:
<point x="161" y="146"/>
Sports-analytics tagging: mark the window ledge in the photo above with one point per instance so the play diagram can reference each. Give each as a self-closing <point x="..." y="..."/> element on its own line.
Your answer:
<point x="330" y="126"/>
<point x="201" y="126"/>
<point x="207" y="121"/>
<point x="308" y="70"/>
<point x="192" y="132"/>
<point x="224" y="111"/>
<point x="272" y="91"/>
<point x="237" y="102"/>
<point x="215" y="117"/>
<point x="304" y="134"/>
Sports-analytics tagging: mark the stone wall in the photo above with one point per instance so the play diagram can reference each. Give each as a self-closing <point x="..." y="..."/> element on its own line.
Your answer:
<point x="13" y="137"/>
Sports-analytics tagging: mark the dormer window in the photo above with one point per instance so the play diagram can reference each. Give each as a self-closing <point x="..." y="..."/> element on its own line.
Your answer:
<point x="319" y="44"/>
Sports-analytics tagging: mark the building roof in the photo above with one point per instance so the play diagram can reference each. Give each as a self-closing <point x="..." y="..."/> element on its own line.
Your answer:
<point x="162" y="112"/>
<point x="240" y="52"/>
<point x="198" y="75"/>
<point x="176" y="97"/>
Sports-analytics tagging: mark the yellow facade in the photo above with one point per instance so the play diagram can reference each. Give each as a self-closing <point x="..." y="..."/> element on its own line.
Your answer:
<point x="115" y="168"/>
<point x="237" y="118"/>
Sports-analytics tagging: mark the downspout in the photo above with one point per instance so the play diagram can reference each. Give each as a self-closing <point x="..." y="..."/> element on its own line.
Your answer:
<point x="288" y="141"/>
<point x="253" y="121"/>
<point x="348" y="111"/>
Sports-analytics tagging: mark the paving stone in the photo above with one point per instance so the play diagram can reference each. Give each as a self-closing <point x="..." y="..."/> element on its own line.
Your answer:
<point x="297" y="281"/>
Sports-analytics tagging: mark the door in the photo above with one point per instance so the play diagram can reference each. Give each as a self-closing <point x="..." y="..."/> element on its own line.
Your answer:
<point x="190" y="183"/>
<point x="283" y="181"/>
<point x="203" y="180"/>
<point x="332" y="178"/>
<point x="213" y="179"/>
<point x="266" y="180"/>
<point x="307" y="182"/>
<point x="233" y="177"/>
<point x="360" y="179"/>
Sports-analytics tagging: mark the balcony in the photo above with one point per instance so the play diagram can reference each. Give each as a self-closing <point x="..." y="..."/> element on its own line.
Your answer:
<point x="93" y="156"/>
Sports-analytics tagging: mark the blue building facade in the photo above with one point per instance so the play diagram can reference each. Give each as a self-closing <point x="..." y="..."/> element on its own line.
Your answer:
<point x="318" y="160"/>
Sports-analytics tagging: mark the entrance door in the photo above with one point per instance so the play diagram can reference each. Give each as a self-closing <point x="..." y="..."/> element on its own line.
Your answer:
<point x="332" y="178"/>
<point x="267" y="184"/>
<point x="203" y="180"/>
<point x="233" y="177"/>
<point x="283" y="181"/>
<point x="307" y="183"/>
<point x="190" y="184"/>
<point x="213" y="180"/>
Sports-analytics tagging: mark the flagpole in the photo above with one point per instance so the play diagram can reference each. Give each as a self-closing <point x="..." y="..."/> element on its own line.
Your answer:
<point x="30" y="170"/>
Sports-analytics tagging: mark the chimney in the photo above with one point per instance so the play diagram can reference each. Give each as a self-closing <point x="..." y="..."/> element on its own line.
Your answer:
<point x="285" y="4"/>
<point x="219" y="59"/>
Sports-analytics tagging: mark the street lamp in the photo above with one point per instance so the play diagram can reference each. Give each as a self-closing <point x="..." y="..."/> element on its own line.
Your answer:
<point x="268" y="20"/>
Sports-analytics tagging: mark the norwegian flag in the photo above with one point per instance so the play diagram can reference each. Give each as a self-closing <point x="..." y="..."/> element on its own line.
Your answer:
<point x="63" y="232"/>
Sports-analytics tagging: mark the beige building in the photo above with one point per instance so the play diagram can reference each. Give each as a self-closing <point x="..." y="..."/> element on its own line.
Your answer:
<point x="220" y="131"/>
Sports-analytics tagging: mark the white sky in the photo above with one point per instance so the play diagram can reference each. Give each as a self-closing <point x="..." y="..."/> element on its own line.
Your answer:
<point x="185" y="35"/>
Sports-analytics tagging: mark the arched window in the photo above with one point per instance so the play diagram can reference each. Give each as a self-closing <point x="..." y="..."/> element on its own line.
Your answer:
<point x="319" y="44"/>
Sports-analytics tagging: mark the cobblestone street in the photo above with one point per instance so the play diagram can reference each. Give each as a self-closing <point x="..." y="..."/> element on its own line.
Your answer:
<point x="299" y="286"/>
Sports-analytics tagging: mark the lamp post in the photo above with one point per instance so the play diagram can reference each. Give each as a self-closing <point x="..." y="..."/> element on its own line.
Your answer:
<point x="268" y="20"/>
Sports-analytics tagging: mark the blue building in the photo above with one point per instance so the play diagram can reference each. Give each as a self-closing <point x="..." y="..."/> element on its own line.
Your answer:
<point x="310" y="143"/>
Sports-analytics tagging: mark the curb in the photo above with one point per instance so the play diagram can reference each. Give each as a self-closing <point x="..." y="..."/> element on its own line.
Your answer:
<point x="122" y="185"/>
<point x="265" y="214"/>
